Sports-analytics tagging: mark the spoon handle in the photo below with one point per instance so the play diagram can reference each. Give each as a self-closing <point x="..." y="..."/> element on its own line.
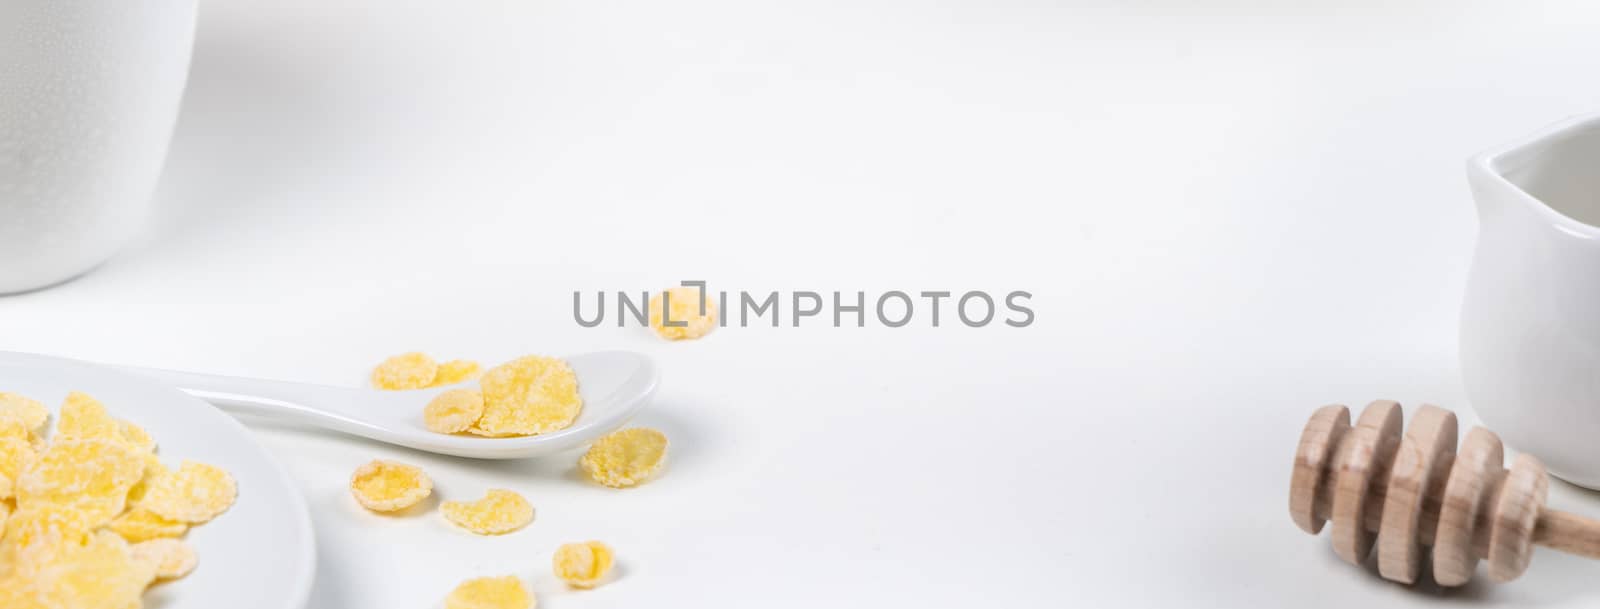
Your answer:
<point x="335" y="408"/>
<point x="614" y="386"/>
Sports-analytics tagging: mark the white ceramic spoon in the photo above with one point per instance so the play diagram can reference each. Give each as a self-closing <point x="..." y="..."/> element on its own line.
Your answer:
<point x="614" y="386"/>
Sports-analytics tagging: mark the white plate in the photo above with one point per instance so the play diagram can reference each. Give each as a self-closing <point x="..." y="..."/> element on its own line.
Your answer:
<point x="260" y="554"/>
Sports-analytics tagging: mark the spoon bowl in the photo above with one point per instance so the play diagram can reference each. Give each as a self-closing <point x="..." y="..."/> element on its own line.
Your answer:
<point x="614" y="385"/>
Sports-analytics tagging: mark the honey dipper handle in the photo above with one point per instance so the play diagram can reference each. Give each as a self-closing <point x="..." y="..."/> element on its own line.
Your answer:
<point x="1568" y="533"/>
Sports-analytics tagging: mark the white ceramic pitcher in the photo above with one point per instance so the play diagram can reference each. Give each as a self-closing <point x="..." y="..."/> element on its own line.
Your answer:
<point x="1530" y="325"/>
<point x="89" y="91"/>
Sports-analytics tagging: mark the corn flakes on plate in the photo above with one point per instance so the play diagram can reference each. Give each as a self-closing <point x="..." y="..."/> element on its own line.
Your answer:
<point x="244" y="529"/>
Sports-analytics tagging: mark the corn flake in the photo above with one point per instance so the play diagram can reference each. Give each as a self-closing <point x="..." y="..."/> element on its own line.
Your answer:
<point x="168" y="558"/>
<point x="685" y="304"/>
<point x="453" y="411"/>
<point x="31" y="524"/>
<point x="101" y="573"/>
<point x="583" y="565"/>
<point x="413" y="370"/>
<point x="92" y="476"/>
<point x="153" y="470"/>
<point x="194" y="494"/>
<point x="13" y="426"/>
<point x="499" y="511"/>
<point x="136" y="436"/>
<point x="490" y="593"/>
<point x="387" y="486"/>
<point x="625" y="457"/>
<point x="16" y="456"/>
<point x="528" y="395"/>
<point x="32" y="412"/>
<point x="139" y="524"/>
<point x="37" y="443"/>
<point x="456" y="371"/>
<point x="82" y="416"/>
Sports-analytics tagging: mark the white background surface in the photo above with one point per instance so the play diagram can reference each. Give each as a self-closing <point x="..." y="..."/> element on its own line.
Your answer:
<point x="1228" y="216"/>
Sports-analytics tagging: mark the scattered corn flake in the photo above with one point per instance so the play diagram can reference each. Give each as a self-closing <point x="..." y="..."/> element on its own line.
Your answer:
<point x="685" y="307"/>
<point x="583" y="565"/>
<point x="457" y="371"/>
<point x="33" y="412"/>
<point x="168" y="558"/>
<point x="91" y="475"/>
<point x="387" y="486"/>
<point x="139" y="524"/>
<point x="499" y="511"/>
<point x="413" y="370"/>
<point x="625" y="457"/>
<point x="196" y="493"/>
<point x="453" y="411"/>
<point x="490" y="593"/>
<point x="82" y="416"/>
<point x="528" y="395"/>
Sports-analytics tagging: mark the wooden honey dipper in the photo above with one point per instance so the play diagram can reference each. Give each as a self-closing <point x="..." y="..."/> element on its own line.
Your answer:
<point x="1403" y="492"/>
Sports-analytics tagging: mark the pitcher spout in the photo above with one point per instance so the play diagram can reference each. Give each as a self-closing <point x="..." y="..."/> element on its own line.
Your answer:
<point x="1485" y="186"/>
<point x="1549" y="175"/>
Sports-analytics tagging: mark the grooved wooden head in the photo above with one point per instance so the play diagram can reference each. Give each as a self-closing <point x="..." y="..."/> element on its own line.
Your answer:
<point x="1364" y="458"/>
<point x="1472" y="474"/>
<point x="1427" y="444"/>
<point x="1311" y="464"/>
<point x="1516" y="511"/>
<point x="1410" y="493"/>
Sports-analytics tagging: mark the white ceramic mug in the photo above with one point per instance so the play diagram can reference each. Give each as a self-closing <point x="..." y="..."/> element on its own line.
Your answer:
<point x="1530" y="324"/>
<point x="89" y="91"/>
